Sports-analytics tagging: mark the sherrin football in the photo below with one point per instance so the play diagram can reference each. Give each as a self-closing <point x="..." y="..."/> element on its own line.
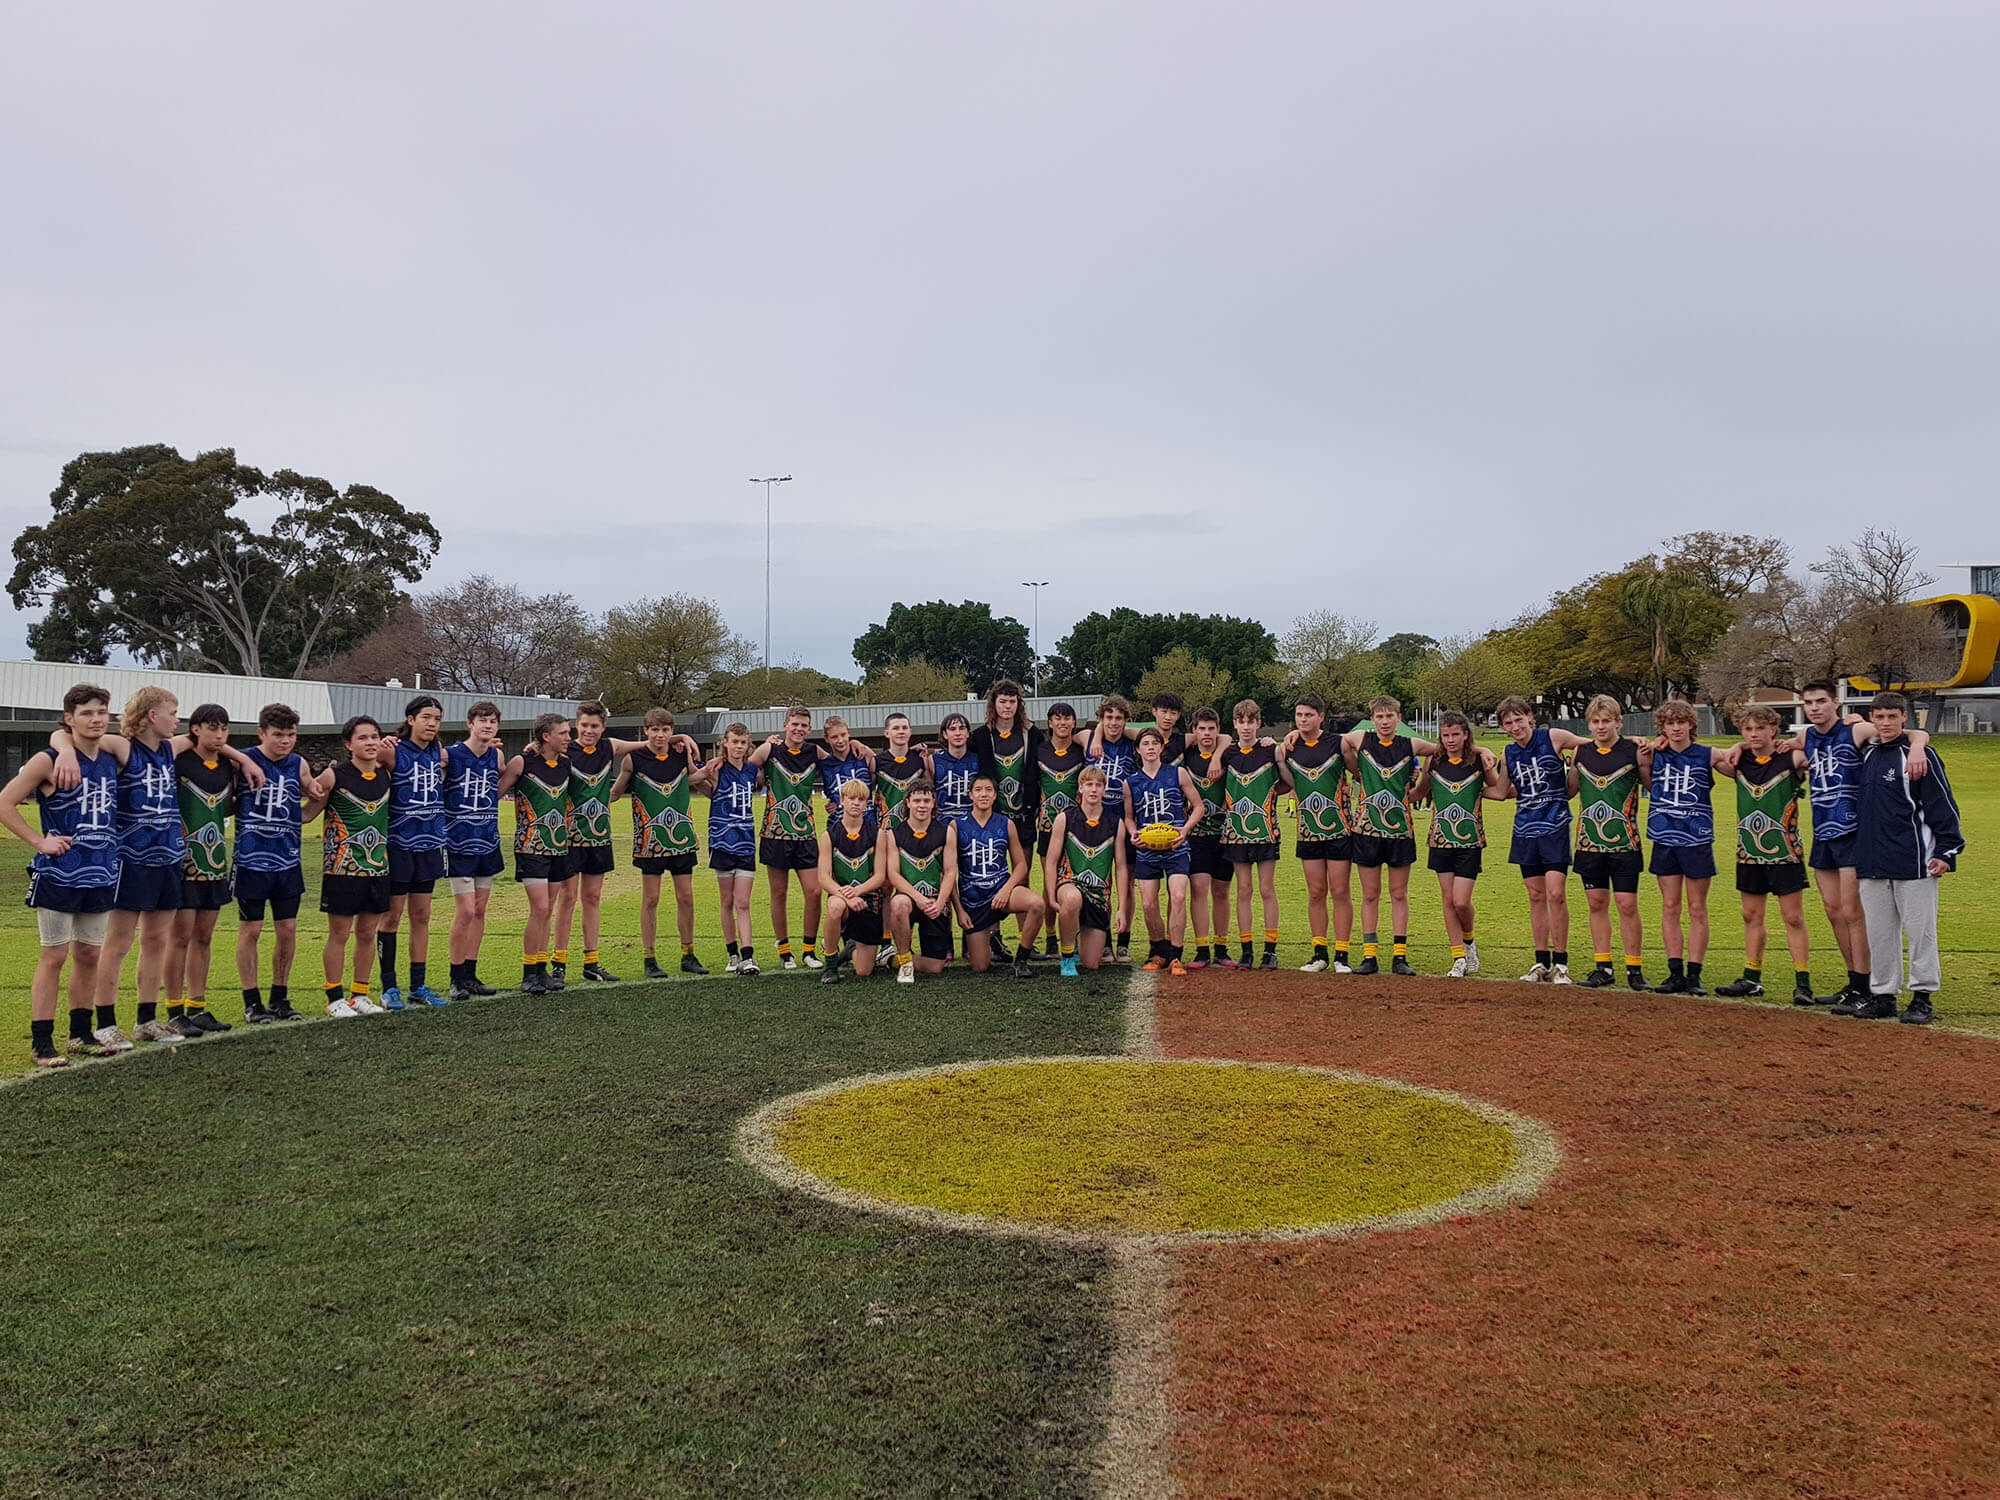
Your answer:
<point x="1160" y="836"/>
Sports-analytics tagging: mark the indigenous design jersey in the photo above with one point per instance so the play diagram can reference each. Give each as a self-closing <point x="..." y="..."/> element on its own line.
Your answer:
<point x="356" y="824"/>
<point x="1055" y="779"/>
<point x="920" y="857"/>
<point x="149" y="807"/>
<point x="472" y="800"/>
<point x="953" y="774"/>
<point x="894" y="776"/>
<point x="417" y="814"/>
<point x="1318" y="777"/>
<point x="541" y="806"/>
<point x="1833" y="764"/>
<point x="1004" y="757"/>
<point x="593" y="770"/>
<point x="1090" y="855"/>
<point x="1767" y="811"/>
<point x="1117" y="761"/>
<point x="835" y="774"/>
<point x="1213" y="813"/>
<point x="661" y="827"/>
<point x="853" y="854"/>
<point x="1458" y="792"/>
<point x="1158" y="797"/>
<point x="732" y="810"/>
<point x="1682" y="815"/>
<point x="983" y="863"/>
<point x="207" y="789"/>
<point x="790" y="776"/>
<point x="1386" y="768"/>
<point x="1607" y="798"/>
<point x="268" y="818"/>
<point x="1541" y="787"/>
<point x="87" y="815"/>
<point x="1250" y="792"/>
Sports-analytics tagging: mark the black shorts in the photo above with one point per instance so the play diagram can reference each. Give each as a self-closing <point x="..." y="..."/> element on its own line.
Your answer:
<point x="205" y="895"/>
<point x="553" y="868"/>
<point x="1600" y="870"/>
<point x="591" y="859"/>
<point x="669" y="864"/>
<point x="863" y="928"/>
<point x="725" y="863"/>
<point x="1092" y="916"/>
<point x="481" y="866"/>
<point x="354" y="895"/>
<point x="1340" y="848"/>
<point x="1787" y="879"/>
<point x="1464" y="863"/>
<point x="933" y="936"/>
<point x="284" y="889"/>
<point x="1692" y="861"/>
<point x="1373" y="852"/>
<point x="1250" y="854"/>
<point x="788" y="854"/>
<point x="1834" y="852"/>
<point x="413" y="872"/>
<point x="148" y="888"/>
<point x="1042" y="841"/>
<point x="1205" y="857"/>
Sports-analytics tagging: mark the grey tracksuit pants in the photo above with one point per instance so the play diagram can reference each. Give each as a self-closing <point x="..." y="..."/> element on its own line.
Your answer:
<point x="1895" y="910"/>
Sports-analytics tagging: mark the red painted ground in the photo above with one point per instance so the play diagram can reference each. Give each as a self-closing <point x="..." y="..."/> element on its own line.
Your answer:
<point x="1770" y="1264"/>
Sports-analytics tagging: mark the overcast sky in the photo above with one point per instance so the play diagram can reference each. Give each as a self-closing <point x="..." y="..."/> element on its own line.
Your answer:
<point x="1413" y="311"/>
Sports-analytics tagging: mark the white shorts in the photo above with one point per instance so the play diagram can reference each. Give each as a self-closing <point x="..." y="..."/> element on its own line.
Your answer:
<point x="61" y="928"/>
<point x="465" y="885"/>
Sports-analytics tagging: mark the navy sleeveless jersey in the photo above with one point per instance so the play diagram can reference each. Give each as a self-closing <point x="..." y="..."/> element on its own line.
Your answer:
<point x="1833" y="772"/>
<point x="471" y="799"/>
<point x="1157" y="798"/>
<point x="149" y="807"/>
<point x="1541" y="785"/>
<point x="1682" y="816"/>
<point x="982" y="855"/>
<point x="85" y="878"/>
<point x="1117" y="761"/>
<point x="953" y="775"/>
<point x="834" y="774"/>
<point x="732" y="813"/>
<point x="416" y="798"/>
<point x="267" y="819"/>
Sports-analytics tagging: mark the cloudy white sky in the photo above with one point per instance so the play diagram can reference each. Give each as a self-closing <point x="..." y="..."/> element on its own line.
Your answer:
<point x="1413" y="311"/>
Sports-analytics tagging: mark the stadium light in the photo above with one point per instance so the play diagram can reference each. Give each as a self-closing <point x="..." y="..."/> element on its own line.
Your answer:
<point x="1037" y="587"/>
<point x="767" y="483"/>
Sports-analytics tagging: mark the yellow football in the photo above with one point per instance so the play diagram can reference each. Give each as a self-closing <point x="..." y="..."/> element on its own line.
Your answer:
<point x="1160" y="835"/>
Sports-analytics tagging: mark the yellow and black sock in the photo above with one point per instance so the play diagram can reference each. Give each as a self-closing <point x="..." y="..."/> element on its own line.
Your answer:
<point x="1340" y="951"/>
<point x="1402" y="946"/>
<point x="1458" y="950"/>
<point x="785" y="950"/>
<point x="687" y="950"/>
<point x="649" y="949"/>
<point x="197" y="1004"/>
<point x="559" y="956"/>
<point x="589" y="957"/>
<point x="1755" y="976"/>
<point x="332" y="993"/>
<point x="1369" y="947"/>
<point x="812" y="948"/>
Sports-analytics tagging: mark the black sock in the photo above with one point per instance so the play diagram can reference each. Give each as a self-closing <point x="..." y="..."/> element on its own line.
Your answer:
<point x="748" y="952"/>
<point x="333" y="993"/>
<point x="107" y="1015"/>
<point x="419" y="970"/>
<point x="1674" y="967"/>
<point x="734" y="952"/>
<point x="385" y="955"/>
<point x="79" y="1023"/>
<point x="280" y="995"/>
<point x="148" y="1010"/>
<point x="1561" y="956"/>
<point x="1857" y="981"/>
<point x="252" y="996"/>
<point x="1542" y="957"/>
<point x="1201" y="953"/>
<point x="1694" y="971"/>
<point x="42" y="1037"/>
<point x="1270" y="949"/>
<point x="1319" y="947"/>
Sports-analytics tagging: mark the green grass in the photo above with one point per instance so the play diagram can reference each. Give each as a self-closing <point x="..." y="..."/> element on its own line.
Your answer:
<point x="1970" y="925"/>
<point x="505" y="1249"/>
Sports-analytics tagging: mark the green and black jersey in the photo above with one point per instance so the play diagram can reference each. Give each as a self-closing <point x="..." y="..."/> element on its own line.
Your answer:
<point x="1250" y="792"/>
<point x="1318" y="776"/>
<point x="853" y="853"/>
<point x="1089" y="855"/>
<point x="1004" y="757"/>
<point x="1607" y="798"/>
<point x="207" y="788"/>
<point x="541" y="807"/>
<point x="1055" y="777"/>
<point x="894" y="776"/>
<point x="1214" y="814"/>
<point x="593" y="771"/>
<point x="1386" y="768"/>
<point x="1458" y="789"/>
<point x="661" y="827"/>
<point x="920" y="857"/>
<point x="1767" y="810"/>
<point x="790" y="777"/>
<point x="356" y="825"/>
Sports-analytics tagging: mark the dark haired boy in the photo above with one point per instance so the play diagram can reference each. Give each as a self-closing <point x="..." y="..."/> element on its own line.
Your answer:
<point x="660" y="780"/>
<point x="476" y="777"/>
<point x="270" y="873"/>
<point x="417" y="822"/>
<point x="789" y="842"/>
<point x="1252" y="772"/>
<point x="207" y="787"/>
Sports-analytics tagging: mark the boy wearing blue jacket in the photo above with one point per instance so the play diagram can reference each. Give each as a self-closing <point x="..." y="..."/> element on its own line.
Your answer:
<point x="1907" y="838"/>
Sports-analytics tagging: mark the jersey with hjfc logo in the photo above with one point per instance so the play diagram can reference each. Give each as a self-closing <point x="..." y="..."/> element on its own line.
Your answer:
<point x="207" y="789"/>
<point x="789" y="777"/>
<point x="1833" y="766"/>
<point x="920" y="857"/>
<point x="1386" y="767"/>
<point x="1682" y="814"/>
<point x="149" y="807"/>
<point x="1458" y="791"/>
<point x="835" y="774"/>
<point x="1116" y="762"/>
<point x="661" y="826"/>
<point x="1767" y="811"/>
<point x="1214" y="814"/>
<point x="853" y="854"/>
<point x="1318" y="772"/>
<point x="356" y="823"/>
<point x="87" y="815"/>
<point x="1607" y="798"/>
<point x="953" y="774"/>
<point x="472" y="800"/>
<point x="1157" y="796"/>
<point x="268" y="817"/>
<point x="417" y="810"/>
<point x="732" y="811"/>
<point x="1250" y="791"/>
<point x="894" y="776"/>
<point x="593" y="769"/>
<point x="1089" y="856"/>
<point x="541" y="806"/>
<point x="1056" y="771"/>
<point x="983" y="856"/>
<point x="1541" y="787"/>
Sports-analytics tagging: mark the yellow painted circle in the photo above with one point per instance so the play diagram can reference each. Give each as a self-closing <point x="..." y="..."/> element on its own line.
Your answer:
<point x="1131" y="1147"/>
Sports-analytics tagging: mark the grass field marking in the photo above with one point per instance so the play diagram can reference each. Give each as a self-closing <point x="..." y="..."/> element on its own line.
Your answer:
<point x="1537" y="1155"/>
<point x="1142" y="1023"/>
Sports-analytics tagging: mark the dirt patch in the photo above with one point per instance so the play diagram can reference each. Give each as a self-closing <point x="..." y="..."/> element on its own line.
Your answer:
<point x="1769" y="1265"/>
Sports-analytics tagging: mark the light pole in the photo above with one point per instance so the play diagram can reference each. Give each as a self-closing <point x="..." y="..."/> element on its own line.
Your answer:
<point x="767" y="483"/>
<point x="1037" y="587"/>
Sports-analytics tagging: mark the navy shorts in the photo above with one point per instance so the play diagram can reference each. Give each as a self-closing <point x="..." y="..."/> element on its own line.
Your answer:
<point x="670" y="864"/>
<point x="591" y="859"/>
<point x="1160" y="865"/>
<point x="1464" y="863"/>
<point x="788" y="854"/>
<point x="148" y="888"/>
<point x="1374" y="852"/>
<point x="723" y="862"/>
<point x="1341" y="848"/>
<point x="1787" y="879"/>
<point x="1834" y="852"/>
<point x="979" y="915"/>
<point x="1205" y="857"/>
<point x="413" y="872"/>
<point x="1539" y="853"/>
<point x="481" y="866"/>
<point x="284" y="889"/>
<point x="204" y="895"/>
<point x="1618" y="872"/>
<point x="1691" y="861"/>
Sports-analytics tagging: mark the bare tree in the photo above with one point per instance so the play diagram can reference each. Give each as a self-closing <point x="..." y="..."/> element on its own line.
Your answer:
<point x="1879" y="568"/>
